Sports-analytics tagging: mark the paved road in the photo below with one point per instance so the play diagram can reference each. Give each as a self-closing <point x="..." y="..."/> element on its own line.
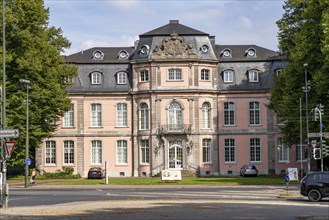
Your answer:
<point x="165" y="202"/>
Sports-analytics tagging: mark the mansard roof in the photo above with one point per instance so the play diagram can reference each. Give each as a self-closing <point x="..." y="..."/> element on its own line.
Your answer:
<point x="173" y="27"/>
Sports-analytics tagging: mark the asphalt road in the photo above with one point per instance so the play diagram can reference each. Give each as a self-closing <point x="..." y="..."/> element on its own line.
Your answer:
<point x="161" y="202"/>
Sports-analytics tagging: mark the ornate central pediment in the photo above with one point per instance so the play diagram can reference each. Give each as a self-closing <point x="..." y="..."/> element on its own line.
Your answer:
<point x="174" y="46"/>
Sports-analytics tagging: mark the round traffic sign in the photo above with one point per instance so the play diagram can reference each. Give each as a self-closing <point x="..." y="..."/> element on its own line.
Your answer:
<point x="28" y="161"/>
<point x="286" y="179"/>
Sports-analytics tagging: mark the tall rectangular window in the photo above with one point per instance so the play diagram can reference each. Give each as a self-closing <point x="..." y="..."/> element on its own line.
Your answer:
<point x="255" y="150"/>
<point x="254" y="113"/>
<point x="205" y="75"/>
<point x="68" y="152"/>
<point x="96" y="152"/>
<point x="122" y="115"/>
<point x="174" y="74"/>
<point x="144" y="76"/>
<point x="96" y="115"/>
<point x="122" y="152"/>
<point x="144" y="116"/>
<point x="229" y="113"/>
<point x="229" y="150"/>
<point x="206" y="150"/>
<point x="145" y="151"/>
<point x="283" y="151"/>
<point x="68" y="119"/>
<point x="50" y="151"/>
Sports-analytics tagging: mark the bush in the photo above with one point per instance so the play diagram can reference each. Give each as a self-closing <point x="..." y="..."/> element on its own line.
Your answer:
<point x="66" y="173"/>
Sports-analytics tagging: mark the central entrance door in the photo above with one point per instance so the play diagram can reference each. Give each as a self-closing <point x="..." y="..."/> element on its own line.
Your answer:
<point x="175" y="155"/>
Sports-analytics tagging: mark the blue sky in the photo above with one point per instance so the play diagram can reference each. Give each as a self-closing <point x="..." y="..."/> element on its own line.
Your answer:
<point x="112" y="23"/>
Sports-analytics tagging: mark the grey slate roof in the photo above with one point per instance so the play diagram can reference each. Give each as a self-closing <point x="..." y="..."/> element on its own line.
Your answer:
<point x="173" y="26"/>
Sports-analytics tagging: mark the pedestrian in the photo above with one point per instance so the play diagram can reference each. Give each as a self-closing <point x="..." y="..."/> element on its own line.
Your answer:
<point x="34" y="173"/>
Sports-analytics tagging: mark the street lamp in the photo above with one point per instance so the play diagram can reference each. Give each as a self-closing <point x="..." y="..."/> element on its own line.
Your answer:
<point x="26" y="82"/>
<point x="306" y="89"/>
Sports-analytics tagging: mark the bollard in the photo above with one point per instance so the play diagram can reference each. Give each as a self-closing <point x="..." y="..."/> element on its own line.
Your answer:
<point x="6" y="196"/>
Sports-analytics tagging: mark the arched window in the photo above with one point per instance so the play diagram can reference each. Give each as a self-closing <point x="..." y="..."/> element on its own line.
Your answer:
<point x="206" y="115"/>
<point x="175" y="116"/>
<point x="96" y="78"/>
<point x="144" y="116"/>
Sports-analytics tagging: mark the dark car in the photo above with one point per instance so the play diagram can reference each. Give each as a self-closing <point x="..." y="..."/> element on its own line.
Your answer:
<point x="248" y="170"/>
<point x="315" y="185"/>
<point x="95" y="173"/>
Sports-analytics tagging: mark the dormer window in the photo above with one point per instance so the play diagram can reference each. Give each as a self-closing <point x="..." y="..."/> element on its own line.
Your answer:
<point x="98" y="55"/>
<point x="122" y="78"/>
<point x="123" y="55"/>
<point x="228" y="76"/>
<point x="144" y="50"/>
<point x="278" y="71"/>
<point x="253" y="75"/>
<point x="226" y="53"/>
<point x="251" y="52"/>
<point x="96" y="78"/>
<point x="204" y="48"/>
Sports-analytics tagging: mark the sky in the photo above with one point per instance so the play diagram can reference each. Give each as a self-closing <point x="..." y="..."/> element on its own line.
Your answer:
<point x="116" y="23"/>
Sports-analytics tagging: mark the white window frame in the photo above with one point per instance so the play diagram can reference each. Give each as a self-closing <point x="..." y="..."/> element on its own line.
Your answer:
<point x="144" y="117"/>
<point x="283" y="151"/>
<point x="96" y="115"/>
<point x="206" y="115"/>
<point x="121" y="115"/>
<point x="175" y="74"/>
<point x="122" y="152"/>
<point x="68" y="152"/>
<point x="50" y="152"/>
<point x="96" y="78"/>
<point x="145" y="151"/>
<point x="255" y="150"/>
<point x="229" y="150"/>
<point x="68" y="118"/>
<point x="254" y="113"/>
<point x="96" y="152"/>
<point x="175" y="116"/>
<point x="206" y="150"/>
<point x="229" y="114"/>
<point x="228" y="76"/>
<point x="144" y="76"/>
<point x="205" y="75"/>
<point x="122" y="78"/>
<point x="253" y="75"/>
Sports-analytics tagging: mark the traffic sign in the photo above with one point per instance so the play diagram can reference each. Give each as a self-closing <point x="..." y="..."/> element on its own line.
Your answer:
<point x="10" y="146"/>
<point x="324" y="134"/>
<point x="28" y="161"/>
<point x="9" y="133"/>
<point x="286" y="179"/>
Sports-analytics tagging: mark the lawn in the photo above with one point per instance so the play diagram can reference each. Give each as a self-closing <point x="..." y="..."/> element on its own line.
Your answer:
<point x="260" y="180"/>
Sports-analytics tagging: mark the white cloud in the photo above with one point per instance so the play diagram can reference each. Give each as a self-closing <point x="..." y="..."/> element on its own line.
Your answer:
<point x="243" y="22"/>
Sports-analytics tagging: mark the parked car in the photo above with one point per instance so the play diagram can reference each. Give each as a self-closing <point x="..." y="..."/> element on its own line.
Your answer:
<point x="95" y="173"/>
<point x="248" y="170"/>
<point x="315" y="185"/>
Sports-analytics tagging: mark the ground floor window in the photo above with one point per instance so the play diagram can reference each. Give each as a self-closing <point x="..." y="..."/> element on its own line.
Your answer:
<point x="145" y="151"/>
<point x="255" y="153"/>
<point x="96" y="152"/>
<point x="229" y="150"/>
<point x="50" y="151"/>
<point x="68" y="152"/>
<point x="206" y="150"/>
<point x="122" y="151"/>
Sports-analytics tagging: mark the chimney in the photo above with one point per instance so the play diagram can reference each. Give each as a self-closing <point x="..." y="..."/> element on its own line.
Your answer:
<point x="173" y="21"/>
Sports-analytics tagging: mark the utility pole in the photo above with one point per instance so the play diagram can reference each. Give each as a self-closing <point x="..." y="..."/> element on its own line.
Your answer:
<point x="306" y="89"/>
<point x="3" y="171"/>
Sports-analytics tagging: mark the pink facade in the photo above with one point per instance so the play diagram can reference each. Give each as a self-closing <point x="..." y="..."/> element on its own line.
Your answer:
<point x="175" y="100"/>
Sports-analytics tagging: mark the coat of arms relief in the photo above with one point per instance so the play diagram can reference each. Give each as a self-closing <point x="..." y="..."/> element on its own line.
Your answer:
<point x="174" y="46"/>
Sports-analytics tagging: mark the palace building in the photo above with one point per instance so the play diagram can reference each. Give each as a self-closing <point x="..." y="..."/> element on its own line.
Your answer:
<point x="173" y="101"/>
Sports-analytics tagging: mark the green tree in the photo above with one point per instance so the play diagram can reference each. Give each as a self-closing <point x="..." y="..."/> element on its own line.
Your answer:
<point x="33" y="52"/>
<point x="303" y="39"/>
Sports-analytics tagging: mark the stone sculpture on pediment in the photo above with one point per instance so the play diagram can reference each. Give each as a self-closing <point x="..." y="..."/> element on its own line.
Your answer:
<point x="174" y="46"/>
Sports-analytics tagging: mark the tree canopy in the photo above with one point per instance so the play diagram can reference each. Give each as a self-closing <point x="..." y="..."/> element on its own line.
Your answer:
<point x="33" y="53"/>
<point x="303" y="39"/>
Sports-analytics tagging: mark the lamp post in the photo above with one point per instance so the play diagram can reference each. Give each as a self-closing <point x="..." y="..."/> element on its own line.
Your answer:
<point x="306" y="89"/>
<point x="26" y="82"/>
